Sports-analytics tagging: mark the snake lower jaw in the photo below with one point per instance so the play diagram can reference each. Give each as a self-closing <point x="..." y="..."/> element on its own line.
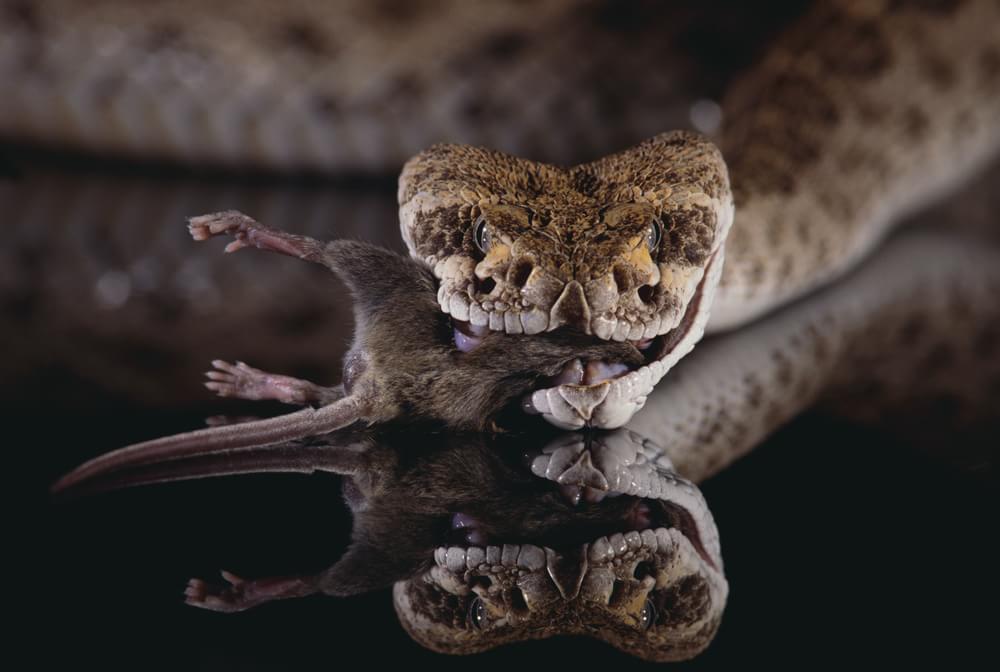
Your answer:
<point x="610" y="403"/>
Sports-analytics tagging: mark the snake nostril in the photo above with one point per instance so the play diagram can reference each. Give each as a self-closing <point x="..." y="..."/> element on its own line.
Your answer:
<point x="519" y="273"/>
<point x="646" y="293"/>
<point x="644" y="569"/>
<point x="484" y="286"/>
<point x="518" y="604"/>
<point x="623" y="279"/>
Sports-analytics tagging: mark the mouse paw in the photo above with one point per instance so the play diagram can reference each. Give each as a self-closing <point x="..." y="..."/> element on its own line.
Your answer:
<point x="248" y="232"/>
<point x="239" y="594"/>
<point x="227" y="598"/>
<point x="237" y="380"/>
<point x="228" y="222"/>
<point x="245" y="382"/>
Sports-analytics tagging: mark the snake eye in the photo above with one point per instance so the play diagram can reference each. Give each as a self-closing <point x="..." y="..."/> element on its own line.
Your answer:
<point x="477" y="613"/>
<point x="481" y="234"/>
<point x="647" y="616"/>
<point x="654" y="233"/>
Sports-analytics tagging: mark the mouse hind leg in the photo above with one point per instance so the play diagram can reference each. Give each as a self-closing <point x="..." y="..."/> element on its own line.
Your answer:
<point x="238" y="594"/>
<point x="248" y="232"/>
<point x="241" y="381"/>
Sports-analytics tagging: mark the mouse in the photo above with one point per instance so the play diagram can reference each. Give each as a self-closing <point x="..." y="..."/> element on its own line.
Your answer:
<point x="407" y="363"/>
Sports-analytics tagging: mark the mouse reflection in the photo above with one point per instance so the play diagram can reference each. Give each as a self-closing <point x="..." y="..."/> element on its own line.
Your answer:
<point x="491" y="541"/>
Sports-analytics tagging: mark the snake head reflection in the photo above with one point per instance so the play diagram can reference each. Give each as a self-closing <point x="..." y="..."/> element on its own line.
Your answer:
<point x="647" y="593"/>
<point x="657" y="592"/>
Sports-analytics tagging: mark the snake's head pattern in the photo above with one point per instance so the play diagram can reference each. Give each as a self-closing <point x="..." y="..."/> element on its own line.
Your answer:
<point x="626" y="248"/>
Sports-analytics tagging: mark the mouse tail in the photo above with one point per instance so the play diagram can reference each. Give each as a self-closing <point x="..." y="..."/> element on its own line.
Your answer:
<point x="350" y="457"/>
<point x="206" y="442"/>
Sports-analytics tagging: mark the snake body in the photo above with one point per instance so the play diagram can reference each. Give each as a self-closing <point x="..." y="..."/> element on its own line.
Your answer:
<point x="862" y="112"/>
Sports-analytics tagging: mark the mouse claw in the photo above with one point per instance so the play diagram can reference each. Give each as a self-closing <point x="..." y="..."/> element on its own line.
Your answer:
<point x="231" y="578"/>
<point x="195" y="589"/>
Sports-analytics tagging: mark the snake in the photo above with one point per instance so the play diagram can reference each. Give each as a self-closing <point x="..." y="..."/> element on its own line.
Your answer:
<point x="632" y="246"/>
<point x="860" y="114"/>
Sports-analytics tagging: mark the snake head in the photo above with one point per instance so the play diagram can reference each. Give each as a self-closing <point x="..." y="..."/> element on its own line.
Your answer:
<point x="652" y="586"/>
<point x="626" y="248"/>
<point x="614" y="248"/>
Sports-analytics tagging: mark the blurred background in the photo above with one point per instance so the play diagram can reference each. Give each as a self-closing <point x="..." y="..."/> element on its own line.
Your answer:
<point x="118" y="120"/>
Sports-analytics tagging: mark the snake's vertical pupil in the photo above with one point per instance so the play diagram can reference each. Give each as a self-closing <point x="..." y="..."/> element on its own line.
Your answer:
<point x="654" y="233"/>
<point x="481" y="234"/>
<point x="647" y="616"/>
<point x="477" y="613"/>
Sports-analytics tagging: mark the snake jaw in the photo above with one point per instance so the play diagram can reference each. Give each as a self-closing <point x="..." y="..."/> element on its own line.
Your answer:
<point x="611" y="403"/>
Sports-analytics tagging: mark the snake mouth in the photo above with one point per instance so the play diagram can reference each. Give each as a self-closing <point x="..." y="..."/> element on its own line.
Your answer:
<point x="607" y="395"/>
<point x="641" y="524"/>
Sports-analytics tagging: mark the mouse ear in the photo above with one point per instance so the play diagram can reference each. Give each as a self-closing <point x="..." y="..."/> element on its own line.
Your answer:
<point x="206" y="442"/>
<point x="376" y="275"/>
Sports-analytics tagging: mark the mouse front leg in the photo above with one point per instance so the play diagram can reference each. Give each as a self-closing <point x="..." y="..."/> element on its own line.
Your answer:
<point x="248" y="232"/>
<point x="241" y="381"/>
<point x="239" y="594"/>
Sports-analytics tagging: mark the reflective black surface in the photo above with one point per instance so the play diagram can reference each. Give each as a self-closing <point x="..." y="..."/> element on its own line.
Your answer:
<point x="823" y="562"/>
